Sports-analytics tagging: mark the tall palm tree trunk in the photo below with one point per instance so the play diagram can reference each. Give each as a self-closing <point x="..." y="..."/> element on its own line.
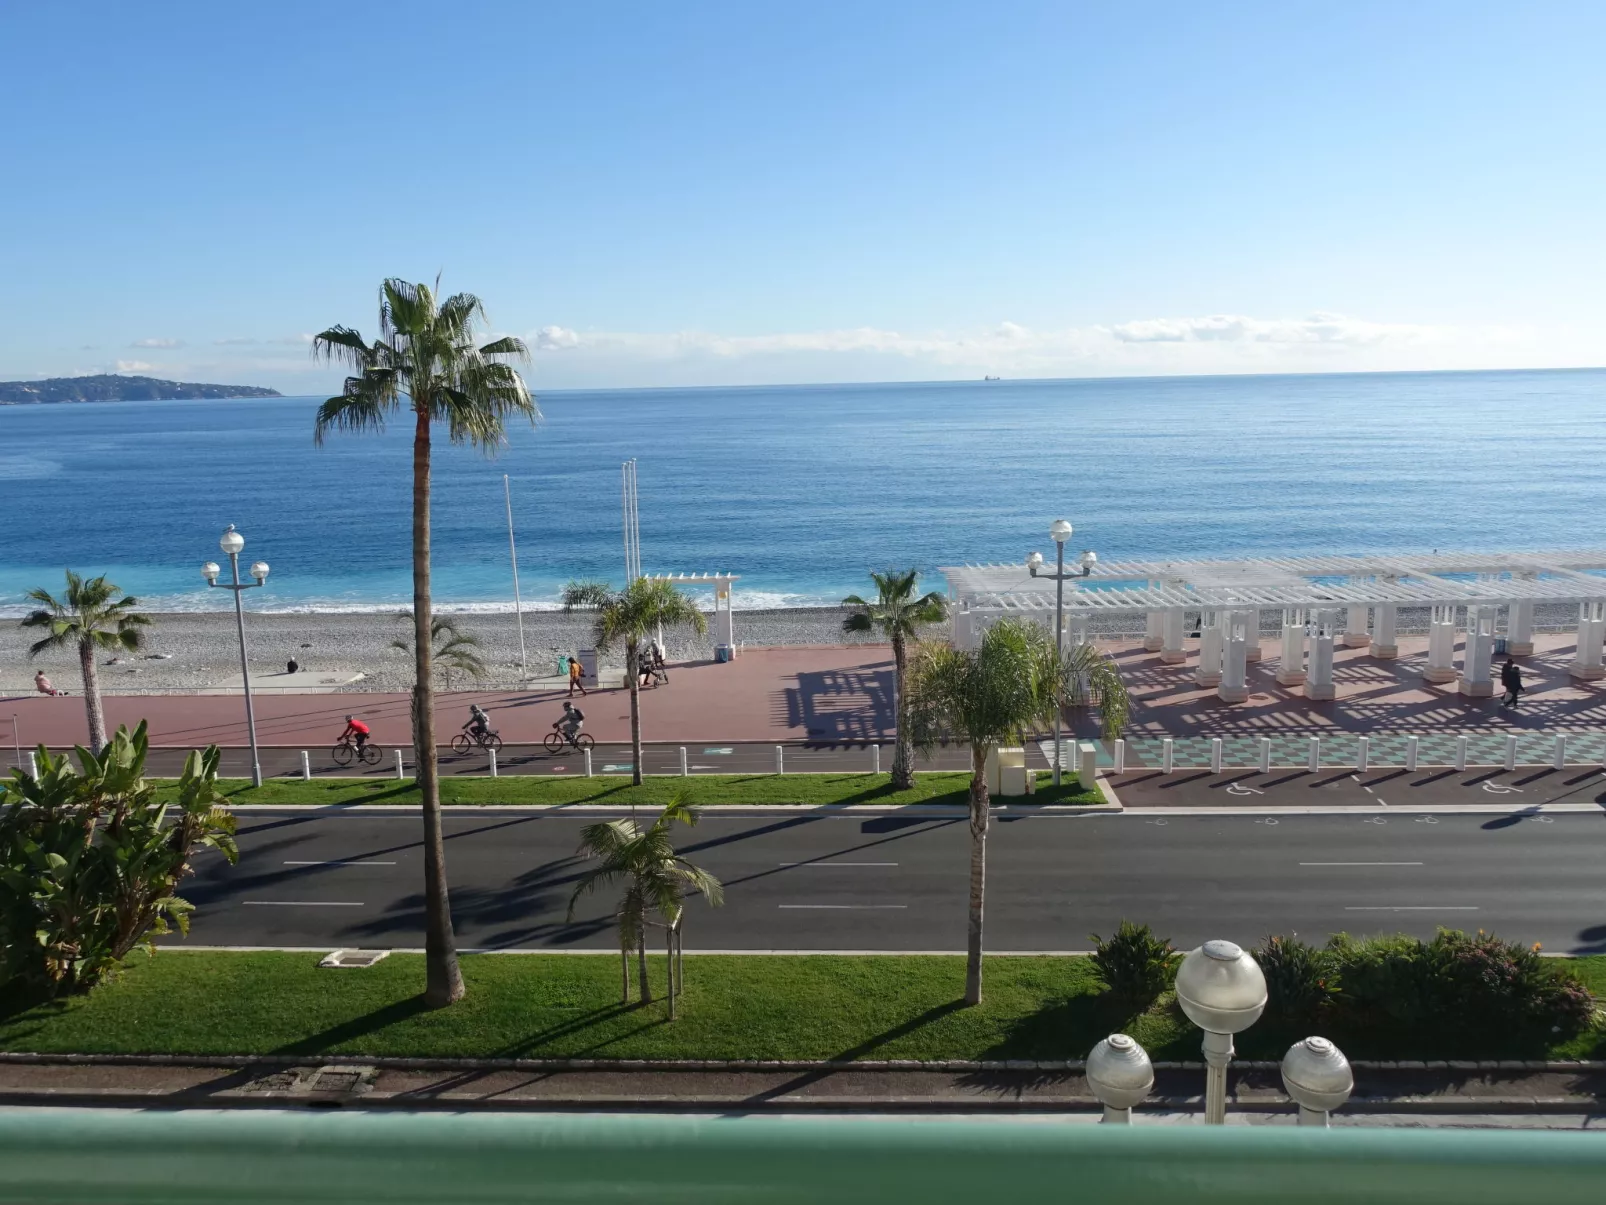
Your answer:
<point x="641" y="964"/>
<point x="669" y="961"/>
<point x="443" y="978"/>
<point x="635" y="712"/>
<point x="903" y="755"/>
<point x="979" y="807"/>
<point x="624" y="967"/>
<point x="93" y="712"/>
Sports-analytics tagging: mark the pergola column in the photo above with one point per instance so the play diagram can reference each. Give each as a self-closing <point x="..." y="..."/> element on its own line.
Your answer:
<point x="1252" y="634"/>
<point x="1208" y="672"/>
<point x="1385" y="643"/>
<point x="1291" y="666"/>
<point x="1319" y="681"/>
<point x="1441" y="645"/>
<point x="1586" y="663"/>
<point x="1153" y="627"/>
<point x="1520" y="628"/>
<point x="1475" y="679"/>
<point x="1171" y="646"/>
<point x="1355" y="633"/>
<point x="1234" y="686"/>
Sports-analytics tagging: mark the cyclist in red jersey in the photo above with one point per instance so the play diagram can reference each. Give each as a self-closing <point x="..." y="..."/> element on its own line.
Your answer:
<point x="357" y="731"/>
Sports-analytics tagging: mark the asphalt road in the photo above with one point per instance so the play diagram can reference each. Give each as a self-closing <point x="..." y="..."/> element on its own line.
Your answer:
<point x="1433" y="788"/>
<point x="809" y="881"/>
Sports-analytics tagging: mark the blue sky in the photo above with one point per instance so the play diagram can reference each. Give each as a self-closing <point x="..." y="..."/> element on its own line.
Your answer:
<point x="746" y="193"/>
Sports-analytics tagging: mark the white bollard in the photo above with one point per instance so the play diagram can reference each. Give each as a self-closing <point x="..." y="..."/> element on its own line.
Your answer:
<point x="33" y="764"/>
<point x="685" y="768"/>
<point x="1215" y="755"/>
<point x="1119" y="754"/>
<point x="1559" y="757"/>
<point x="399" y="773"/>
<point x="1313" y="763"/>
<point x="588" y="763"/>
<point x="1511" y="753"/>
<point x="875" y="759"/>
<point x="780" y="763"/>
<point x="1167" y="756"/>
<point x="492" y="753"/>
<point x="306" y="767"/>
<point x="1265" y="755"/>
<point x="1363" y="753"/>
<point x="1410" y="753"/>
<point x="1460" y="753"/>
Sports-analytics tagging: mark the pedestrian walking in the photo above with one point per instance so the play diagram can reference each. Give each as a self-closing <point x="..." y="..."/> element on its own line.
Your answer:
<point x="1511" y="679"/>
<point x="574" y="677"/>
<point x="44" y="685"/>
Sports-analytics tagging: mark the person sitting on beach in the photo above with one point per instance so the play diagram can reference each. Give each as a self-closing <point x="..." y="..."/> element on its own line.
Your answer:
<point x="44" y="686"/>
<point x="570" y="721"/>
<point x="357" y="731"/>
<point x="479" y="721"/>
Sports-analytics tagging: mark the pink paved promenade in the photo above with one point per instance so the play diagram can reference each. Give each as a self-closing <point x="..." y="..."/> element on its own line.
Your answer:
<point x="822" y="694"/>
<point x="1373" y="695"/>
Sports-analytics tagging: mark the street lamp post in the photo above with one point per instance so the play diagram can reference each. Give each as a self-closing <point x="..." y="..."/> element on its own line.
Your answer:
<point x="1120" y="1075"/>
<point x="233" y="543"/>
<point x="1059" y="532"/>
<point x="1222" y="990"/>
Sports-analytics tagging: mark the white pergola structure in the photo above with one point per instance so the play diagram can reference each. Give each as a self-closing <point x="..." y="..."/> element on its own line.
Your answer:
<point x="723" y="629"/>
<point x="1323" y="600"/>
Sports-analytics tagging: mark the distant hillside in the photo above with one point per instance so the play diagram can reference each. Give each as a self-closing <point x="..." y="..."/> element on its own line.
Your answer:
<point x="111" y="388"/>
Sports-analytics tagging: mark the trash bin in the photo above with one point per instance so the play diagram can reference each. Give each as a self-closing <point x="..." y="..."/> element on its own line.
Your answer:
<point x="722" y="652"/>
<point x="1499" y="646"/>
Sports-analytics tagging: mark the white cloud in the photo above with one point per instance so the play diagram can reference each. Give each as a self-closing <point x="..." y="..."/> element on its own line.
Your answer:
<point x="295" y="340"/>
<point x="156" y="343"/>
<point x="247" y="342"/>
<point x="554" y="338"/>
<point x="134" y="366"/>
<point x="1236" y="328"/>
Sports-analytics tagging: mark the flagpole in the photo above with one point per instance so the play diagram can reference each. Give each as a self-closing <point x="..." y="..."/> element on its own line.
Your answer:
<point x="513" y="552"/>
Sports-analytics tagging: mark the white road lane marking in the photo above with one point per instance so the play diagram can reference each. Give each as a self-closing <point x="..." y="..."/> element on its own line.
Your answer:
<point x="841" y="907"/>
<point x="1411" y="908"/>
<point x="1361" y="863"/>
<point x="340" y="863"/>
<point x="299" y="904"/>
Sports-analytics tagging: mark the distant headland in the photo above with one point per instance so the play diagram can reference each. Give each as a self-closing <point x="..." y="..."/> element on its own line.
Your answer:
<point x="108" y="387"/>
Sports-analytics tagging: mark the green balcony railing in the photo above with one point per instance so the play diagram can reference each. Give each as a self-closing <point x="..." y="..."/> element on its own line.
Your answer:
<point x="105" y="1157"/>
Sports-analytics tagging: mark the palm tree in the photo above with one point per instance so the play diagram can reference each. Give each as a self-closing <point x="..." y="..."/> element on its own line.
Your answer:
<point x="656" y="879"/>
<point x="629" y="615"/>
<point x="425" y="361"/>
<point x="997" y="692"/>
<point x="898" y="615"/>
<point x="455" y="652"/>
<point x="90" y="616"/>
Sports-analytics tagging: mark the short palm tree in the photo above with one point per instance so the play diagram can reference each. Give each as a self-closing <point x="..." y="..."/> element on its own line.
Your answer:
<point x="93" y="614"/>
<point x="427" y="363"/>
<point x="455" y="652"/>
<point x="629" y="616"/>
<point x="998" y="692"/>
<point x="898" y="615"/>
<point x="656" y="879"/>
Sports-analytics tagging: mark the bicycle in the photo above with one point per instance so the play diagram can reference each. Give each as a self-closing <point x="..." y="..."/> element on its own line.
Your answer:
<point x="556" y="741"/>
<point x="464" y="741"/>
<point x="345" y="747"/>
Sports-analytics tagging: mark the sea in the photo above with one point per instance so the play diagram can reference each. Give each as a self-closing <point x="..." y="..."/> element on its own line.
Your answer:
<point x="801" y="490"/>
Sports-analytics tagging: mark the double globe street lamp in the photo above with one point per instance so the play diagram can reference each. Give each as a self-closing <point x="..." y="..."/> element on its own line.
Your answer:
<point x="1059" y="532"/>
<point x="233" y="543"/>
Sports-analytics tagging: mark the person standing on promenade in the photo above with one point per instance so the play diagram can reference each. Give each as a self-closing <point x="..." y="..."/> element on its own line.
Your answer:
<point x="1511" y="679"/>
<point x="575" y="682"/>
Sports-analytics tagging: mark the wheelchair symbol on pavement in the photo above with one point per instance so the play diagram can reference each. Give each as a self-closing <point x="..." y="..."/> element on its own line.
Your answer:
<point x="1500" y="788"/>
<point x="1234" y="788"/>
<point x="1427" y="819"/>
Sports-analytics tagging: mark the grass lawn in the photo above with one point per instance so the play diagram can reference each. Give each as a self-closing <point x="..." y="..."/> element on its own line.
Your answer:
<point x="184" y="1002"/>
<point x="818" y="789"/>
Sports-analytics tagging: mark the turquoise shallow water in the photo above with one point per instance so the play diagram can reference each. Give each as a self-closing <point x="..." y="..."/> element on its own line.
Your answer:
<point x="801" y="489"/>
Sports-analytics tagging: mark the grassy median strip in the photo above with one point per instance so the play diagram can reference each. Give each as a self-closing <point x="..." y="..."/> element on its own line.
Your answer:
<point x="736" y="1007"/>
<point x="817" y="789"/>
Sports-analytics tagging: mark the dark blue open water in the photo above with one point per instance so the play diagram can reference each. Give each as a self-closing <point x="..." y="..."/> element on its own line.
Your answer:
<point x="802" y="489"/>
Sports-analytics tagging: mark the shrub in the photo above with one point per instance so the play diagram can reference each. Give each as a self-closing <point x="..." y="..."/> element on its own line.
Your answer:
<point x="1135" y="964"/>
<point x="89" y="860"/>
<point x="1301" y="979"/>
<point x="1384" y="978"/>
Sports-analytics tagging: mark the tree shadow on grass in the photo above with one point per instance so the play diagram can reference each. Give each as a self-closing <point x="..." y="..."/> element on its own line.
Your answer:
<point x="356" y="1027"/>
